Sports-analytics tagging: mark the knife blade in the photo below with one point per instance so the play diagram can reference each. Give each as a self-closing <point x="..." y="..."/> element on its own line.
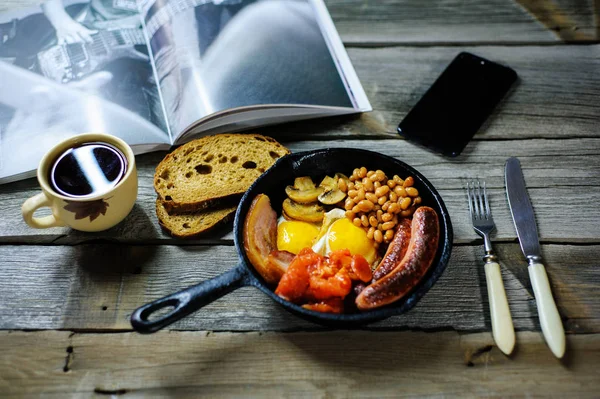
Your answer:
<point x="524" y="219"/>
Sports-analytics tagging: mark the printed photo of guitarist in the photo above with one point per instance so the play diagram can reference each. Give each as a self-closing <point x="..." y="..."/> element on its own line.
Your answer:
<point x="34" y="42"/>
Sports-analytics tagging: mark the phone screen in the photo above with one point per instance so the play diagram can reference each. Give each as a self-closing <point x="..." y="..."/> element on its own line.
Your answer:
<point x="457" y="104"/>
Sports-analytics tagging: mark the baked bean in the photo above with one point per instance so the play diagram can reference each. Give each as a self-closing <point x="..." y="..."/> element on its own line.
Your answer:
<point x="409" y="182"/>
<point x="385" y="206"/>
<point x="370" y="173"/>
<point x="357" y="222"/>
<point x="381" y="191"/>
<point x="379" y="215"/>
<point x="348" y="204"/>
<point x="362" y="172"/>
<point x="371" y="197"/>
<point x="376" y="207"/>
<point x="395" y="219"/>
<point x="416" y="200"/>
<point x="394" y="208"/>
<point x="391" y="183"/>
<point x="342" y="185"/>
<point x="371" y="233"/>
<point x="393" y="196"/>
<point x="389" y="234"/>
<point x="380" y="175"/>
<point x="407" y="212"/>
<point x="400" y="191"/>
<point x="356" y="209"/>
<point x="412" y="192"/>
<point x="376" y="185"/>
<point x="405" y="203"/>
<point x="350" y="185"/>
<point x="354" y="174"/>
<point x="382" y="200"/>
<point x="368" y="185"/>
<point x="378" y="236"/>
<point x="361" y="194"/>
<point x="398" y="180"/>
<point x="386" y="217"/>
<point x="352" y="193"/>
<point x="365" y="205"/>
<point x="364" y="220"/>
<point x="388" y="225"/>
<point x="373" y="221"/>
<point x="350" y="215"/>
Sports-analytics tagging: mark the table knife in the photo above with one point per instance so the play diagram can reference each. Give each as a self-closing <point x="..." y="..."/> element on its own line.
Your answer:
<point x="524" y="219"/>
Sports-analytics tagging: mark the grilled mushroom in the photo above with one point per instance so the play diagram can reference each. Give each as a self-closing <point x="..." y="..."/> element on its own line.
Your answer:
<point x="306" y="213"/>
<point x="331" y="194"/>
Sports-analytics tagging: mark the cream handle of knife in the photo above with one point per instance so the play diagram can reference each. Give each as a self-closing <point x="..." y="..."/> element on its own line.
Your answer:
<point x="548" y="313"/>
<point x="502" y="325"/>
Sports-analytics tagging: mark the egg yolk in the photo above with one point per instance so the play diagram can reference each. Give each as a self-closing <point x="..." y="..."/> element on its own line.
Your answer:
<point x="343" y="234"/>
<point x="294" y="236"/>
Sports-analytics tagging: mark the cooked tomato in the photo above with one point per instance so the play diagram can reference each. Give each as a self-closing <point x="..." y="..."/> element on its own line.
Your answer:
<point x="333" y="305"/>
<point x="321" y="283"/>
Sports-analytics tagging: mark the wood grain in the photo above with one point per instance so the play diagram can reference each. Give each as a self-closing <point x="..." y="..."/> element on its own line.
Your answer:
<point x="96" y="287"/>
<point x="341" y="364"/>
<point x="563" y="188"/>
<point x="565" y="18"/>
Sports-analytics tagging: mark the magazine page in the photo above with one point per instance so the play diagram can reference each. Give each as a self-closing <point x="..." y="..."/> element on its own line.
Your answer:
<point x="212" y="56"/>
<point x="73" y="67"/>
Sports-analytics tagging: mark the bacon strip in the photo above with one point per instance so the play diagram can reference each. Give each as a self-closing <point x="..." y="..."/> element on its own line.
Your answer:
<point x="260" y="239"/>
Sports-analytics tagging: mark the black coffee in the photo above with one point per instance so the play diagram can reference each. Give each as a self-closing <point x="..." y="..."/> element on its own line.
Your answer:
<point x="88" y="170"/>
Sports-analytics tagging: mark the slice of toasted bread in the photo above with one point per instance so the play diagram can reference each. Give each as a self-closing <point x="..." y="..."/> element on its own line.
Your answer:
<point x="212" y="169"/>
<point x="188" y="225"/>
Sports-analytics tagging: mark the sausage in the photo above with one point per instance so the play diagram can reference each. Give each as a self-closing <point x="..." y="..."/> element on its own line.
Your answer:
<point x="425" y="234"/>
<point x="396" y="250"/>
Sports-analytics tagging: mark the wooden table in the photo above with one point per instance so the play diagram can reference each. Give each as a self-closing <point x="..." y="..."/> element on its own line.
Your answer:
<point x="66" y="297"/>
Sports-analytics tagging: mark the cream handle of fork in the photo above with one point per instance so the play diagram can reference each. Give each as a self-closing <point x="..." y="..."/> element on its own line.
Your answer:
<point x="502" y="325"/>
<point x="552" y="326"/>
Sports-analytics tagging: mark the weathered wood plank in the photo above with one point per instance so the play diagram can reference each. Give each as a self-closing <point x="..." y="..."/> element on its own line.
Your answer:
<point x="570" y="20"/>
<point x="556" y="96"/>
<point x="447" y="21"/>
<point x="331" y="364"/>
<point x="561" y="188"/>
<point x="98" y="286"/>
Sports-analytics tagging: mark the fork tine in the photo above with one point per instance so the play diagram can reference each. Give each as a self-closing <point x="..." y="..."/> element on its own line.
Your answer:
<point x="488" y="213"/>
<point x="475" y="200"/>
<point x="480" y="198"/>
<point x="470" y="199"/>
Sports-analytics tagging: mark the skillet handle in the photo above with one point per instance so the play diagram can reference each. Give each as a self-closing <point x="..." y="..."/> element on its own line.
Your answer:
<point x="188" y="300"/>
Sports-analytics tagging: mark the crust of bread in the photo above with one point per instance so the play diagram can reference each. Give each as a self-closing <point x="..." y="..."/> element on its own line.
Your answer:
<point x="212" y="170"/>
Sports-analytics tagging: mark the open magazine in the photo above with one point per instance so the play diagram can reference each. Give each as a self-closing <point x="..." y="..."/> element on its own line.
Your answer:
<point x="161" y="72"/>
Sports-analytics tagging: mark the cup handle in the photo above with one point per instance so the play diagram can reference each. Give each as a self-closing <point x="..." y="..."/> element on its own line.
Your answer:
<point x="31" y="205"/>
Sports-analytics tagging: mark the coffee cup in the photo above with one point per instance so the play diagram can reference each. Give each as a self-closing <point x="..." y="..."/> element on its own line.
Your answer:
<point x="88" y="181"/>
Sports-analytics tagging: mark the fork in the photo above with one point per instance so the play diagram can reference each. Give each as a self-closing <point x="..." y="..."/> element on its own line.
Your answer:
<point x="481" y="217"/>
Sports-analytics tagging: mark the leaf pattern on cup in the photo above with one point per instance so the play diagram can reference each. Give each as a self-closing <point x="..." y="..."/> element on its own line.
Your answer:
<point x="93" y="209"/>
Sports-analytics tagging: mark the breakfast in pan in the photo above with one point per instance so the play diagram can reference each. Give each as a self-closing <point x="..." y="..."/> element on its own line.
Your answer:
<point x="346" y="244"/>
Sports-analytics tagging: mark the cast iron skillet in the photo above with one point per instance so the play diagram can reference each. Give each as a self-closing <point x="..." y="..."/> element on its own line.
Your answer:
<point x="316" y="164"/>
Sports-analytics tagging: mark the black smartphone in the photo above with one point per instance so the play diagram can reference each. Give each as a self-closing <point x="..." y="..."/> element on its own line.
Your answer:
<point x="457" y="104"/>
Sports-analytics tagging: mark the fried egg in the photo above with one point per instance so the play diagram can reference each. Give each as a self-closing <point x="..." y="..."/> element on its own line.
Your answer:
<point x="293" y="236"/>
<point x="338" y="232"/>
